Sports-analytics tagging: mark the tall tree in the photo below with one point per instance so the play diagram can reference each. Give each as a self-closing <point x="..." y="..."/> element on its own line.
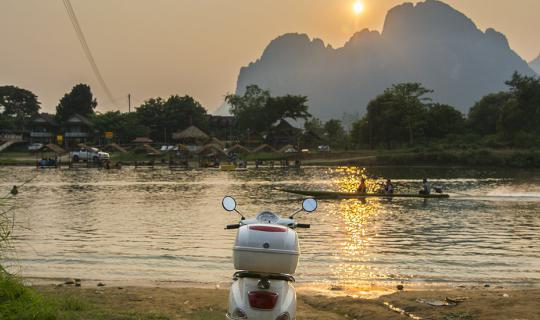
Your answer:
<point x="249" y="109"/>
<point x="442" y="120"/>
<point x="164" y="117"/>
<point x="257" y="110"/>
<point x="360" y="135"/>
<point x="335" y="133"/>
<point x="314" y="125"/>
<point x="79" y="100"/>
<point x="125" y="126"/>
<point x="520" y="116"/>
<point x="398" y="115"/>
<point x="484" y="115"/>
<point x="17" y="106"/>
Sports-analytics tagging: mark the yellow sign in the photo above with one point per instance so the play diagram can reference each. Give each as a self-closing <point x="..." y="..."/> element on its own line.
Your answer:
<point x="59" y="139"/>
<point x="109" y="134"/>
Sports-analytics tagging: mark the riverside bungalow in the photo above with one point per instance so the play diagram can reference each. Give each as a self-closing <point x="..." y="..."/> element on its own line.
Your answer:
<point x="310" y="139"/>
<point x="44" y="128"/>
<point x="282" y="134"/>
<point x="77" y="129"/>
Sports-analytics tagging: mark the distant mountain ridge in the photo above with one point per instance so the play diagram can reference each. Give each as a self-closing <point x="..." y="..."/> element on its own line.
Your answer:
<point x="429" y="42"/>
<point x="535" y="64"/>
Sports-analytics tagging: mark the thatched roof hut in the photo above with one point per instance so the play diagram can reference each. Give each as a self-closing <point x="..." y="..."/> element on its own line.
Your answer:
<point x="215" y="140"/>
<point x="192" y="133"/>
<point x="237" y="148"/>
<point x="114" y="147"/>
<point x="264" y="148"/>
<point x="55" y="148"/>
<point x="146" y="148"/>
<point x="212" y="150"/>
<point x="283" y="133"/>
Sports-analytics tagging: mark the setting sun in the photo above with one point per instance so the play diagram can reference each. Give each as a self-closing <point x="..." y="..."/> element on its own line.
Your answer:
<point x="358" y="7"/>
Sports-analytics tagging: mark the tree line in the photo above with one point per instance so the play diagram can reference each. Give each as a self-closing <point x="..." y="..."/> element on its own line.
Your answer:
<point x="403" y="115"/>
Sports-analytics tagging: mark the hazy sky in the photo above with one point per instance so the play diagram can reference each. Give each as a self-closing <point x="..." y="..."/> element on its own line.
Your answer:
<point x="160" y="47"/>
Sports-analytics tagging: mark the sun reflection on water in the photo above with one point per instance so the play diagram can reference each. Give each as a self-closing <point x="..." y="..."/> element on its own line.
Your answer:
<point x="348" y="179"/>
<point x="359" y="226"/>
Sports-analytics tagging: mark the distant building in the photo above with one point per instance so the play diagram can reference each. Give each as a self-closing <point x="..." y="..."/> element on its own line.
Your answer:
<point x="222" y="127"/>
<point x="283" y="133"/>
<point x="310" y="139"/>
<point x="44" y="128"/>
<point x="77" y="129"/>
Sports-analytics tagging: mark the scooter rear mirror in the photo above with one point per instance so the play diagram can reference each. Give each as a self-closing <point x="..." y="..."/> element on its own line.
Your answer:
<point x="309" y="205"/>
<point x="229" y="203"/>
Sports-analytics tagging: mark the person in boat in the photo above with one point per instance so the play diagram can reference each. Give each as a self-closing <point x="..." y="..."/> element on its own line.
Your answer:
<point x="388" y="187"/>
<point x="426" y="187"/>
<point x="362" y="188"/>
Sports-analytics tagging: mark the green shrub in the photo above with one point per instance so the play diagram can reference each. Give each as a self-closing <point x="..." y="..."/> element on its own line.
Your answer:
<point x="18" y="302"/>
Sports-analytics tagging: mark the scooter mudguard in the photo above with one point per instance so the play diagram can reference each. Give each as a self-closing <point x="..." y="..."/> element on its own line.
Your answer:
<point x="239" y="299"/>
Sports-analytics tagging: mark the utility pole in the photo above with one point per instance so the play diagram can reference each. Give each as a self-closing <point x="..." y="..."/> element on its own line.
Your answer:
<point x="129" y="102"/>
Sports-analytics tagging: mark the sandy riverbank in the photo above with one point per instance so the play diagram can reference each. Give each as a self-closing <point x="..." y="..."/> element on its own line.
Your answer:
<point x="315" y="302"/>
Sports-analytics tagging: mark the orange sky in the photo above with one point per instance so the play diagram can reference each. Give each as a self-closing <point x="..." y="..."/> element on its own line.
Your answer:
<point x="161" y="47"/>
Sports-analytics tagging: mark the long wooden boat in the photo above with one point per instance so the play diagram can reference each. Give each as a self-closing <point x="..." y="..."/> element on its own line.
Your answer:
<point x="354" y="195"/>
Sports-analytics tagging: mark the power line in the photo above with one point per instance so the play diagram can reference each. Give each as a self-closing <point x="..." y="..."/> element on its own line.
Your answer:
<point x="78" y="31"/>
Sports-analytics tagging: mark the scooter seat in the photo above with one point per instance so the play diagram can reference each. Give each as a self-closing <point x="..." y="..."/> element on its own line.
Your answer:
<point x="271" y="276"/>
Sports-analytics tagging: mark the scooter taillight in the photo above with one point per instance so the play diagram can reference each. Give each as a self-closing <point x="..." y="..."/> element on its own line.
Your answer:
<point x="268" y="228"/>
<point x="264" y="300"/>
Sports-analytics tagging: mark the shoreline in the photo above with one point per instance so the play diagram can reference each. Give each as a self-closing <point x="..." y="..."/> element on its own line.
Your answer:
<point x="388" y="285"/>
<point x="436" y="157"/>
<point x="189" y="302"/>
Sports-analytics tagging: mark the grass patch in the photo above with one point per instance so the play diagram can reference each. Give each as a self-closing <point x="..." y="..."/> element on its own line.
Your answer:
<point x="96" y="314"/>
<point x="18" y="302"/>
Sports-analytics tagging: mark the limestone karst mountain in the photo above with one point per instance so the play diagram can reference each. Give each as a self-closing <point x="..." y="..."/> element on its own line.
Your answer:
<point x="429" y="42"/>
<point x="535" y="64"/>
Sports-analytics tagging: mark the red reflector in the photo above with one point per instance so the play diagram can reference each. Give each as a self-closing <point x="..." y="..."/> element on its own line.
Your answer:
<point x="264" y="300"/>
<point x="268" y="228"/>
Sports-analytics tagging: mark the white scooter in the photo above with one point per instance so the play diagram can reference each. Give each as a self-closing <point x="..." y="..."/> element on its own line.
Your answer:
<point x="266" y="251"/>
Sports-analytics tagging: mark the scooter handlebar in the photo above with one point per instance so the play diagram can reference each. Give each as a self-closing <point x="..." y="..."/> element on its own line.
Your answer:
<point x="232" y="226"/>
<point x="303" y="225"/>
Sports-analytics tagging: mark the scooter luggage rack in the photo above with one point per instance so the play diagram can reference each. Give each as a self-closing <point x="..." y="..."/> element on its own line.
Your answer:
<point x="254" y="275"/>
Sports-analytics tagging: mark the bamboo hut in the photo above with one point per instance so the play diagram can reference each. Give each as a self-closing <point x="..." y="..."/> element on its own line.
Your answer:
<point x="146" y="148"/>
<point x="264" y="148"/>
<point x="114" y="147"/>
<point x="215" y="140"/>
<point x="212" y="150"/>
<point x="46" y="161"/>
<point x="191" y="134"/>
<point x="238" y="149"/>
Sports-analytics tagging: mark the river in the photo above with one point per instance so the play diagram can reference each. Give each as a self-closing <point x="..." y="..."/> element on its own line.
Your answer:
<point x="161" y="225"/>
